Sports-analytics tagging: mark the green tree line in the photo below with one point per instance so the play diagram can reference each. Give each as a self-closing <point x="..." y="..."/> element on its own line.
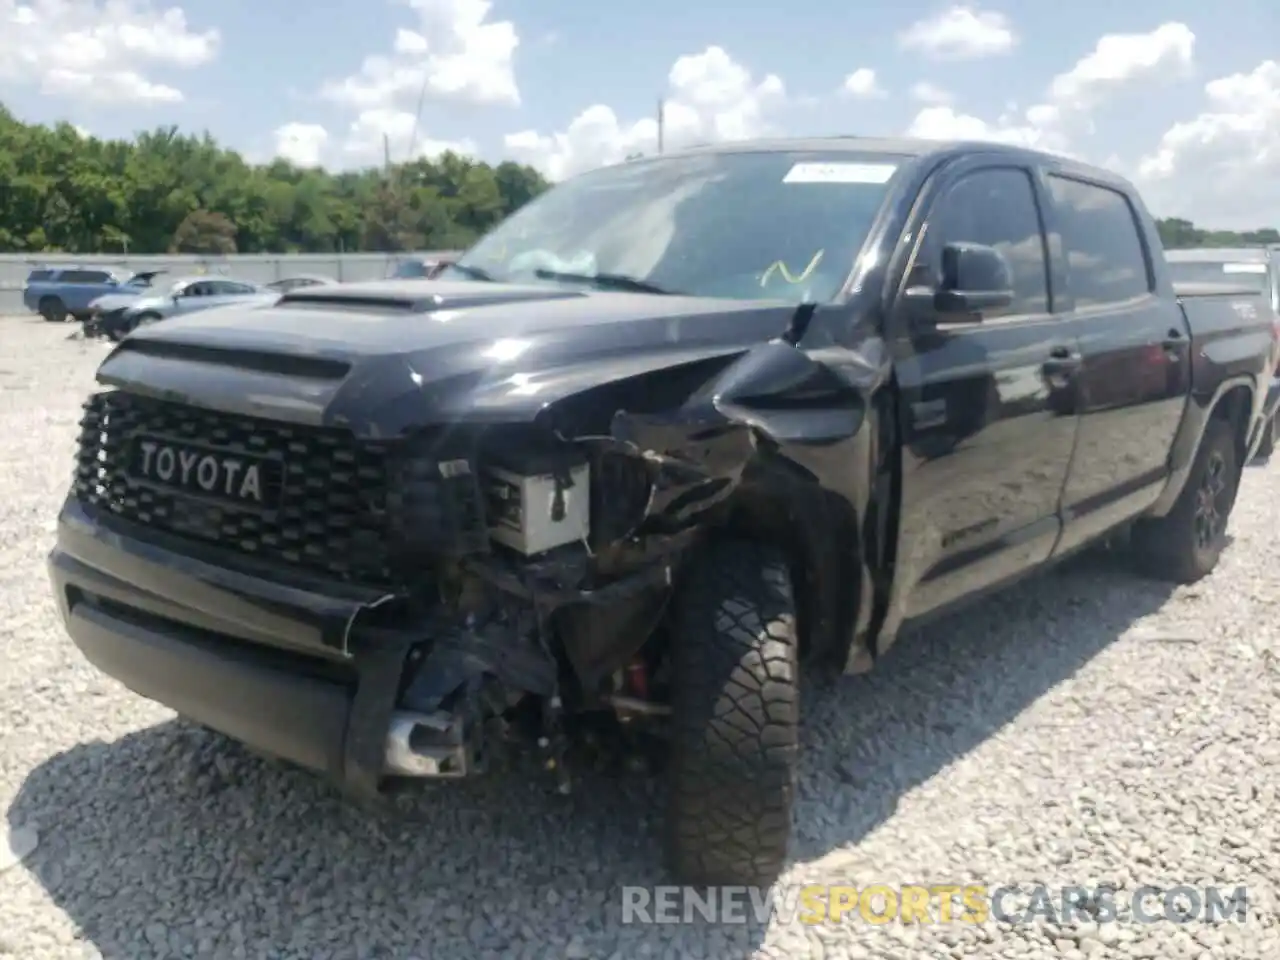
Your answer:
<point x="165" y="192"/>
<point x="168" y="192"/>
<point x="1179" y="234"/>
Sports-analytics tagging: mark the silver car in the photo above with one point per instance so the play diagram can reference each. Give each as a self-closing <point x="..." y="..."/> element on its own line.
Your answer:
<point x="183" y="296"/>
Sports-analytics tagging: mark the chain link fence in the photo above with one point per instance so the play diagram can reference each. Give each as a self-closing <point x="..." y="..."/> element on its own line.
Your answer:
<point x="255" y="268"/>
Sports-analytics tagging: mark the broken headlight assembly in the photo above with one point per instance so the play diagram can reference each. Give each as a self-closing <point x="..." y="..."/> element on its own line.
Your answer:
<point x="529" y="497"/>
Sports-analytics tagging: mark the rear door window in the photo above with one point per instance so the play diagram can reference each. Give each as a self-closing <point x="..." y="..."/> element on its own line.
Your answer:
<point x="85" y="276"/>
<point x="1106" y="258"/>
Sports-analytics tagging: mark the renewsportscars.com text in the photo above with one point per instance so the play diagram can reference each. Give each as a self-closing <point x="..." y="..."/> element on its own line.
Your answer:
<point x="936" y="903"/>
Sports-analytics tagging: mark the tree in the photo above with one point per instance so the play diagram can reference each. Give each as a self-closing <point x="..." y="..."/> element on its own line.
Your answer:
<point x="204" y="231"/>
<point x="1176" y="233"/>
<point x="165" y="190"/>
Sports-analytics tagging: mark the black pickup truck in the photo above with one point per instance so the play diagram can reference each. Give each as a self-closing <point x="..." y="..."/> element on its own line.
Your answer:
<point x="674" y="430"/>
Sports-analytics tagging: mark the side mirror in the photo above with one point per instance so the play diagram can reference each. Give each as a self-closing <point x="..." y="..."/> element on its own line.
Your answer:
<point x="975" y="277"/>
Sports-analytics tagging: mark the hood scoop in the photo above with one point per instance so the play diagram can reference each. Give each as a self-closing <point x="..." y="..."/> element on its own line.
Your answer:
<point x="417" y="296"/>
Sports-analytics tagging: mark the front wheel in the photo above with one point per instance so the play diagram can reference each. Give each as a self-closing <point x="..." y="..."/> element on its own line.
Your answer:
<point x="736" y="712"/>
<point x="1184" y="545"/>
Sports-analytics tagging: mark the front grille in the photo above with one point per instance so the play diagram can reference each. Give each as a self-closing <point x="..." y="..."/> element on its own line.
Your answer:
<point x="329" y="489"/>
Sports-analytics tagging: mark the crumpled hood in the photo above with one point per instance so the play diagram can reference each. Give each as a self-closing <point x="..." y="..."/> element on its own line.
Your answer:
<point x="386" y="357"/>
<point x="114" y="301"/>
<point x="148" y="302"/>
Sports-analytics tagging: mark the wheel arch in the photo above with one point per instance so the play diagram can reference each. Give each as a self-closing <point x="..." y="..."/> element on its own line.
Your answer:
<point x="776" y="504"/>
<point x="1232" y="401"/>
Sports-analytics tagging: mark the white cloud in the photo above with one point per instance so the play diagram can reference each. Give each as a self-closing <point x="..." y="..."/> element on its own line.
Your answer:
<point x="711" y="97"/>
<point x="1222" y="167"/>
<point x="863" y="85"/>
<point x="1121" y="58"/>
<point x="455" y="54"/>
<point x="98" y="51"/>
<point x="927" y="92"/>
<point x="1117" y="63"/>
<point x="960" y="33"/>
<point x="364" y="142"/>
<point x="301" y="143"/>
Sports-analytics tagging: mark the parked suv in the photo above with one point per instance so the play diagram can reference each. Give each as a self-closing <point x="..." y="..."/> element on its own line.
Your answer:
<point x="62" y="293"/>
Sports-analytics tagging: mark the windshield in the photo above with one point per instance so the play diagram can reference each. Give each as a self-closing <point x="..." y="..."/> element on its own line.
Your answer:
<point x="736" y="225"/>
<point x="1251" y="276"/>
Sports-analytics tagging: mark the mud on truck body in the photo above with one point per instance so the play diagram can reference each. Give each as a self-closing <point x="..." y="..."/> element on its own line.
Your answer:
<point x="673" y="431"/>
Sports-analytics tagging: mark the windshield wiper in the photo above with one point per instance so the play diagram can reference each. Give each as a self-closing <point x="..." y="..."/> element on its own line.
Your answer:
<point x="610" y="281"/>
<point x="475" y="273"/>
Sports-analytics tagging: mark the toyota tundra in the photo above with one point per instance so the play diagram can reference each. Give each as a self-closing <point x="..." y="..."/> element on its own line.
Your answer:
<point x="675" y="431"/>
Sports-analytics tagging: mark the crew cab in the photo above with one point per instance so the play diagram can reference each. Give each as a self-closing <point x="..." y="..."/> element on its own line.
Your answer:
<point x="674" y="429"/>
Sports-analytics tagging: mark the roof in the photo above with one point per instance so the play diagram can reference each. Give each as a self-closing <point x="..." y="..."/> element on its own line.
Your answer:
<point x="1219" y="255"/>
<point x="202" y="277"/>
<point x="910" y="147"/>
<point x="901" y="146"/>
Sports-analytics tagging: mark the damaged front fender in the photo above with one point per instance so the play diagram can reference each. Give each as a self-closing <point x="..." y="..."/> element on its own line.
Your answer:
<point x="796" y="445"/>
<point x="775" y="396"/>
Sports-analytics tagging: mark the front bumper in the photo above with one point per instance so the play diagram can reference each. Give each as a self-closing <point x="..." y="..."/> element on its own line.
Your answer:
<point x="286" y="669"/>
<point x="106" y="321"/>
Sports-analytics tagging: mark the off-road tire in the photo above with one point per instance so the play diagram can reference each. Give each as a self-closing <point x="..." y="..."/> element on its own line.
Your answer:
<point x="736" y="717"/>
<point x="53" y="309"/>
<point x="1169" y="548"/>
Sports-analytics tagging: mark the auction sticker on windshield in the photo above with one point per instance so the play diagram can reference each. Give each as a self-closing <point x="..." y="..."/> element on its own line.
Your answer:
<point x="840" y="173"/>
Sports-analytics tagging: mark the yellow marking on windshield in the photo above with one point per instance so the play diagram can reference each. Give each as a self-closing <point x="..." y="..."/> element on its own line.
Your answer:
<point x="779" y="267"/>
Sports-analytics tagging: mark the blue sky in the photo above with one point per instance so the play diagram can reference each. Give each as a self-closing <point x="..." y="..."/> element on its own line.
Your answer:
<point x="271" y="62"/>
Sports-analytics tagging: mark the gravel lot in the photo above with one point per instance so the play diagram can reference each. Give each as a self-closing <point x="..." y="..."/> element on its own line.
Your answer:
<point x="1089" y="727"/>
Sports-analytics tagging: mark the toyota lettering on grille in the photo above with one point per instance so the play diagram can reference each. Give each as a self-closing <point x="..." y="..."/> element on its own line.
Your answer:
<point x="186" y="468"/>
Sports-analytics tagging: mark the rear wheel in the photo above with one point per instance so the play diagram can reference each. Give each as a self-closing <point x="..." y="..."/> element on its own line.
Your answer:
<point x="736" y="706"/>
<point x="53" y="309"/>
<point x="1184" y="545"/>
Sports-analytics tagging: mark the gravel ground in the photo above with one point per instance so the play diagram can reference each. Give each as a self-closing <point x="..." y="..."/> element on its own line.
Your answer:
<point x="1086" y="728"/>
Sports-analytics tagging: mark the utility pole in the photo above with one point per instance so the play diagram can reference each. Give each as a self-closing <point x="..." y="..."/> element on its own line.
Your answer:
<point x="662" y="116"/>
